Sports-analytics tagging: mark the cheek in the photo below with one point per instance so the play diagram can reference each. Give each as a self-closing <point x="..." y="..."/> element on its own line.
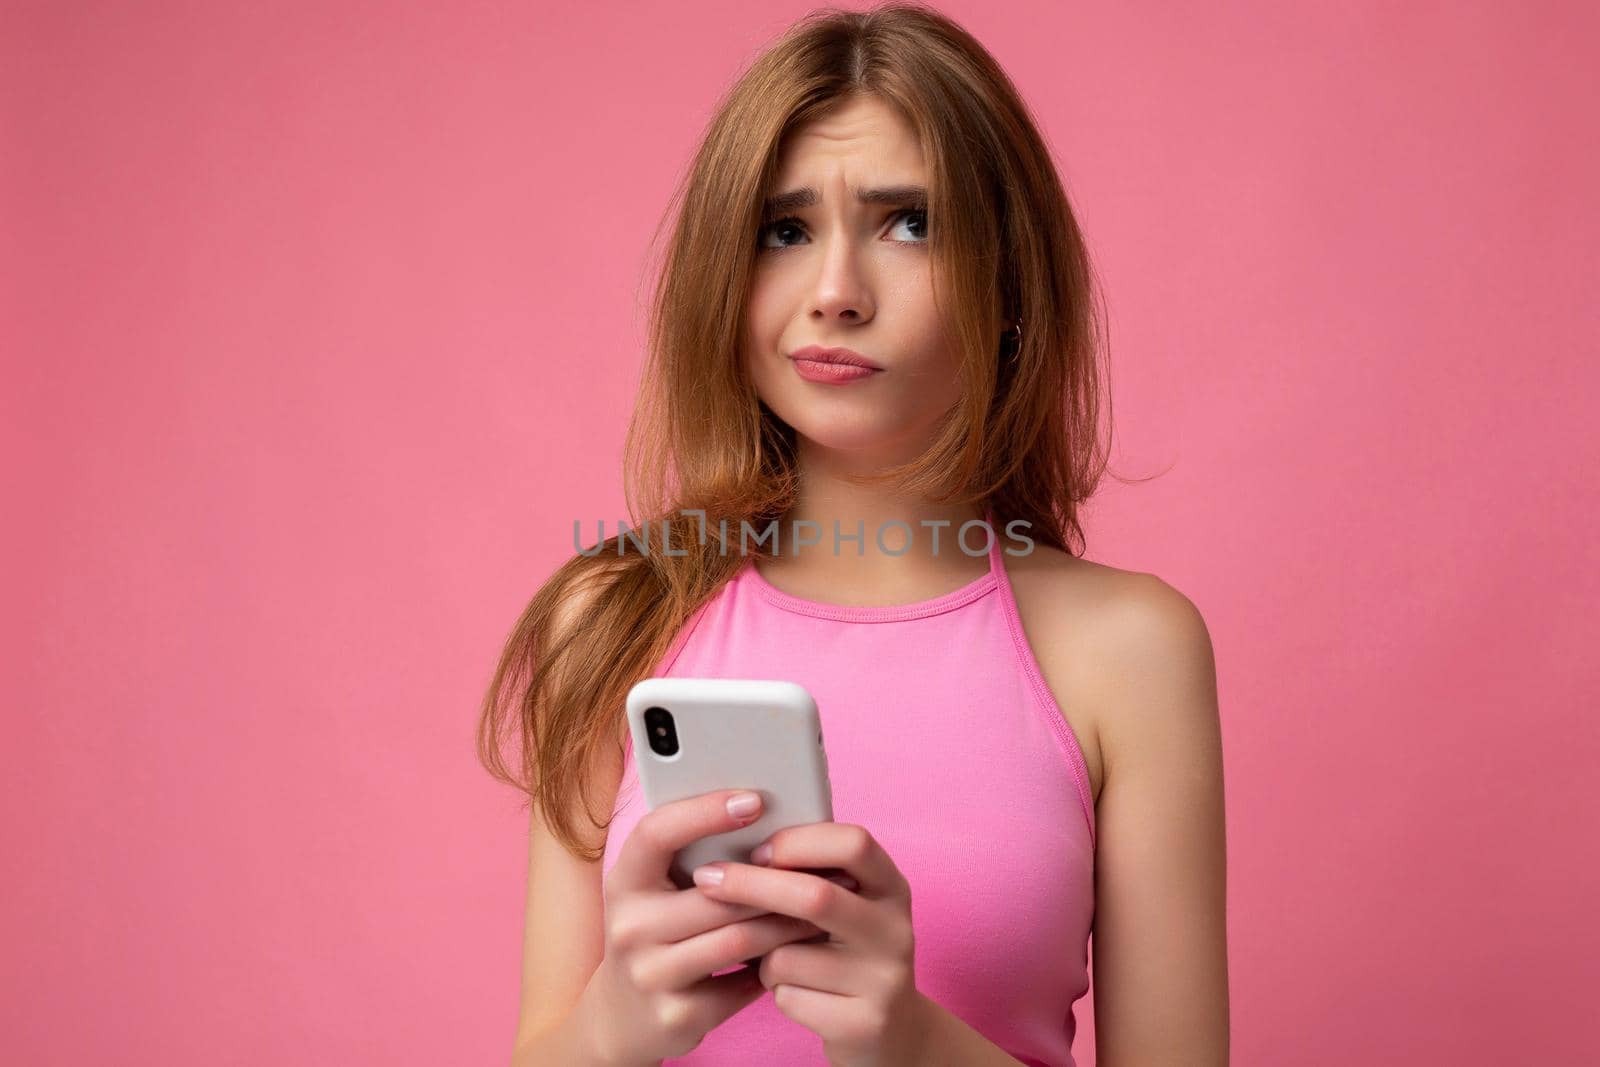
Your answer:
<point x="762" y="323"/>
<point x="766" y="285"/>
<point x="766" y="317"/>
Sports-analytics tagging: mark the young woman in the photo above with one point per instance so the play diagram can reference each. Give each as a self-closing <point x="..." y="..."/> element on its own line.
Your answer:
<point x="1024" y="745"/>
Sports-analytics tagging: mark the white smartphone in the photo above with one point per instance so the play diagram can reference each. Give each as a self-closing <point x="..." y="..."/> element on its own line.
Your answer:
<point x="699" y="735"/>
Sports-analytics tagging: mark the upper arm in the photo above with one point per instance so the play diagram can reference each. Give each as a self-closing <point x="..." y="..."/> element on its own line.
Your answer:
<point x="1160" y="929"/>
<point x="563" y="927"/>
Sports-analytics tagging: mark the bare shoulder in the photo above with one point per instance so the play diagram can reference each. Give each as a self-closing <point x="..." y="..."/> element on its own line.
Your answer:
<point x="1101" y="634"/>
<point x="1129" y="659"/>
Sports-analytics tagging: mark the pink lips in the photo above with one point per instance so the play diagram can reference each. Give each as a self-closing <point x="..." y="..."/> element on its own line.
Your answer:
<point x="832" y="365"/>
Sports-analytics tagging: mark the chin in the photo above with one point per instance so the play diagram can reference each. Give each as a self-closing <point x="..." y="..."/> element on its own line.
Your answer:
<point x="840" y="434"/>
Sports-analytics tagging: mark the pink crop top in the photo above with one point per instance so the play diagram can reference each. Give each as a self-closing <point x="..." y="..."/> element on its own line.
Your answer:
<point x="945" y="743"/>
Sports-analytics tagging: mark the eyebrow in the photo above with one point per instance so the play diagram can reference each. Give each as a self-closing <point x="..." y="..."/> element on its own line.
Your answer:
<point x="893" y="195"/>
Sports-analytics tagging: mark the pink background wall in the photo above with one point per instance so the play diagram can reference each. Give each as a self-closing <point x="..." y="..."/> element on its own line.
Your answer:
<point x="319" y="330"/>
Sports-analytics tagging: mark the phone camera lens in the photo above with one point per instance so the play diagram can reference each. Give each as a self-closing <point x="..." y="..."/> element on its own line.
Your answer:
<point x="659" y="728"/>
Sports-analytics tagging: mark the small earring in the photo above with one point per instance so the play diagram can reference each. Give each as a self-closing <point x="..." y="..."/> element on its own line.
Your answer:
<point x="1014" y="334"/>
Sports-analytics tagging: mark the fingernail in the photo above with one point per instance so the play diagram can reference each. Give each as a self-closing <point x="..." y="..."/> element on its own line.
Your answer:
<point x="845" y="881"/>
<point x="762" y="854"/>
<point x="711" y="875"/>
<point x="742" y="805"/>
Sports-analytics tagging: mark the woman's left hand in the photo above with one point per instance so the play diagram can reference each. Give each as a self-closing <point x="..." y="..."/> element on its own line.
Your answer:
<point x="856" y="990"/>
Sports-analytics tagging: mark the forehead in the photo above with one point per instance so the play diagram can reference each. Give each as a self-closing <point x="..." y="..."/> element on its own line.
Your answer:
<point x="863" y="136"/>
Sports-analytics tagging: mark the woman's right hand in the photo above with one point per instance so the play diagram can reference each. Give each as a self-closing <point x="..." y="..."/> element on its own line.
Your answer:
<point x="653" y="994"/>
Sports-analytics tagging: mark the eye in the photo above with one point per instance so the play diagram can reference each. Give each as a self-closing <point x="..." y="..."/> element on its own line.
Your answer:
<point x="790" y="225"/>
<point x="778" y="226"/>
<point x="920" y="217"/>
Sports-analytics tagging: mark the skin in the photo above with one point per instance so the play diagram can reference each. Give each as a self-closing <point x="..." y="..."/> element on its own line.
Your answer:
<point x="1127" y="658"/>
<point x="857" y="275"/>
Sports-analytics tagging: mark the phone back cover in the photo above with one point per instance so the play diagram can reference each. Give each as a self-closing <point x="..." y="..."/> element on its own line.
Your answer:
<point x="734" y="733"/>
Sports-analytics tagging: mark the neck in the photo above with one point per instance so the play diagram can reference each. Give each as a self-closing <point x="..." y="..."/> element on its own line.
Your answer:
<point x="895" y="556"/>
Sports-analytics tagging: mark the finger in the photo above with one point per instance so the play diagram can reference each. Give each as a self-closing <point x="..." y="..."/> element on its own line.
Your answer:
<point x="818" y="938"/>
<point x="846" y="915"/>
<point x="844" y="846"/>
<point x="821" y="967"/>
<point x="817" y="1010"/>
<point x="679" y="965"/>
<point x="668" y="917"/>
<point x="647" y="853"/>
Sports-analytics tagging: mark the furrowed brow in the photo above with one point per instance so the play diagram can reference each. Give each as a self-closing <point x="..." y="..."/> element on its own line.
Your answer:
<point x="893" y="196"/>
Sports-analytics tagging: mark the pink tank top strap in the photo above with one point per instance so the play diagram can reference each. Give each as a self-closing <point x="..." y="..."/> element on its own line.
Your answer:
<point x="1044" y="698"/>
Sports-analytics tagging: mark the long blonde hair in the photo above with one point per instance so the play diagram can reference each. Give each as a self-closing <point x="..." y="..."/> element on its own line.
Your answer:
<point x="1024" y="440"/>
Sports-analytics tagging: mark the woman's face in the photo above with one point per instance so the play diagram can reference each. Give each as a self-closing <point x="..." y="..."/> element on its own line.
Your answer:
<point x="839" y="273"/>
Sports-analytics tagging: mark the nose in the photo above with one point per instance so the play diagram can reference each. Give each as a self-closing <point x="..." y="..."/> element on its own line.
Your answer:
<point x="842" y="291"/>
